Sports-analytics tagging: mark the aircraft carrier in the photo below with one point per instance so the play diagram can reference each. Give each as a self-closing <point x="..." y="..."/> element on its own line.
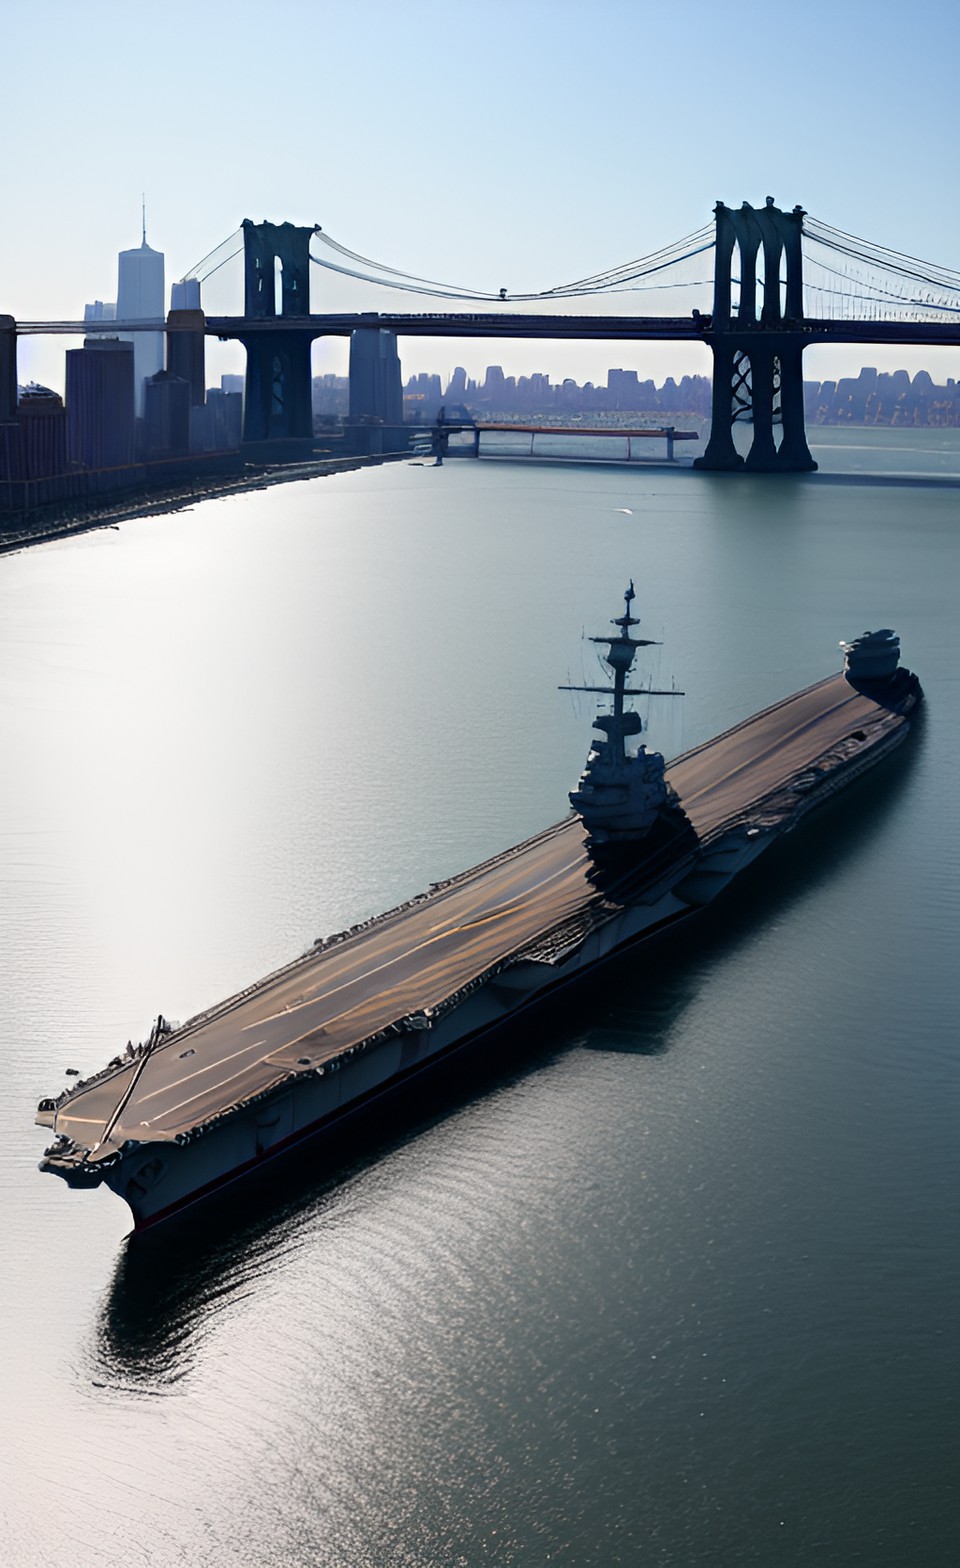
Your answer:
<point x="205" y="1103"/>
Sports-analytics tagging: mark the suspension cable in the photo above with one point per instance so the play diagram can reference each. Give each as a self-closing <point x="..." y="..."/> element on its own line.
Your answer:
<point x="193" y="271"/>
<point x="872" y="245"/>
<point x="615" y="280"/>
<point x="881" y="257"/>
<point x="655" y="256"/>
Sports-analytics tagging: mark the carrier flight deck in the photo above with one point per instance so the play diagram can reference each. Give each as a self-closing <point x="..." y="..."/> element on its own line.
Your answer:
<point x="532" y="908"/>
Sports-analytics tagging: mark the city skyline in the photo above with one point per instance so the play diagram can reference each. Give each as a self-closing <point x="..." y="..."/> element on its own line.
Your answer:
<point x="143" y="267"/>
<point x="491" y="155"/>
<point x="460" y="380"/>
<point x="373" y="387"/>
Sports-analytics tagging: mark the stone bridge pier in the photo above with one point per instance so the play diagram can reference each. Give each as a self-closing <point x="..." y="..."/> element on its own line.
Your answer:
<point x="277" y="404"/>
<point x="757" y="355"/>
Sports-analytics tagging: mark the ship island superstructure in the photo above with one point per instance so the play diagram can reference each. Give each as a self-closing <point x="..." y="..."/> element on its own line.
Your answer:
<point x="205" y="1103"/>
<point x="622" y="795"/>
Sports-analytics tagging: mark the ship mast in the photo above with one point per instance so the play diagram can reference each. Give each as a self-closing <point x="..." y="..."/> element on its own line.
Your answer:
<point x="621" y="652"/>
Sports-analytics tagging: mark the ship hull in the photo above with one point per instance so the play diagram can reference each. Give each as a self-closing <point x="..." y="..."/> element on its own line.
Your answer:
<point x="309" y="1111"/>
<point x="203" y="1170"/>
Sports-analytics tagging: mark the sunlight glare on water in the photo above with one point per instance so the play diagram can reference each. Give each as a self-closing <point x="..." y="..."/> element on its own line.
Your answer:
<point x="672" y="1278"/>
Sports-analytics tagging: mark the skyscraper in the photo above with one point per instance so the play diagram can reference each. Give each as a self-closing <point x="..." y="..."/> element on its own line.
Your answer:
<point x="185" y="295"/>
<point x="166" y="416"/>
<point x="100" y="423"/>
<point x="140" y="297"/>
<point x="376" y="391"/>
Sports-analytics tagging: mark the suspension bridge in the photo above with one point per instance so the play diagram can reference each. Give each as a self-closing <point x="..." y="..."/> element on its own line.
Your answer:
<point x="781" y="282"/>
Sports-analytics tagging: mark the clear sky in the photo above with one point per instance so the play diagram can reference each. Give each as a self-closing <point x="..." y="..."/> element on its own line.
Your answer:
<point x="514" y="142"/>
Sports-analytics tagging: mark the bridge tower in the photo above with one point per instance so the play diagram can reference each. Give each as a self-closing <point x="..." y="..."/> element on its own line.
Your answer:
<point x="757" y="358"/>
<point x="277" y="404"/>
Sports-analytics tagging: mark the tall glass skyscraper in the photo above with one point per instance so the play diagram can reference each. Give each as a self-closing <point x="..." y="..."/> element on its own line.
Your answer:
<point x="140" y="297"/>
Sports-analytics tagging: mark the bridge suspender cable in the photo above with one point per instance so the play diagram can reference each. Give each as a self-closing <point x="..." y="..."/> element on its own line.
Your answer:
<point x="880" y="255"/>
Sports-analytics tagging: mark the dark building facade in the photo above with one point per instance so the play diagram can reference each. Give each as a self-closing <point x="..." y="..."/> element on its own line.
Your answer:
<point x="43" y="434"/>
<point x="100" y="403"/>
<point x="186" y="351"/>
<point x="225" y="411"/>
<point x="166" y="416"/>
<point x="376" y="391"/>
<point x="9" y="450"/>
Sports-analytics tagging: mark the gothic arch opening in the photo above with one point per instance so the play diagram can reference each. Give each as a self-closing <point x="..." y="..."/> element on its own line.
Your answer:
<point x="736" y="272"/>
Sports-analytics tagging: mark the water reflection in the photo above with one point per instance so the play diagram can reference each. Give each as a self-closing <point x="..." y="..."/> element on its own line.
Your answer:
<point x="445" y="1349"/>
<point x="667" y="970"/>
<point x="171" y="1285"/>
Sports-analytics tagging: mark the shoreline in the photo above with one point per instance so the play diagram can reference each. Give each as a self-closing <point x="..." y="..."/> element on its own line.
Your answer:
<point x="63" y="519"/>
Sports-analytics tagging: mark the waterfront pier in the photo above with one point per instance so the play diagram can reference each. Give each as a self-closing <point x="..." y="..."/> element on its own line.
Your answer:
<point x="668" y="433"/>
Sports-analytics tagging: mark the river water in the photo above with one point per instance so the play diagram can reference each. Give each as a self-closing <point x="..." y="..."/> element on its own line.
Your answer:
<point x="673" y="1278"/>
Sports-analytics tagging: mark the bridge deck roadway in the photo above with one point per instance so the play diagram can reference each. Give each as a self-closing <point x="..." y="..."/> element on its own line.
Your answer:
<point x="513" y="324"/>
<point x="420" y="955"/>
